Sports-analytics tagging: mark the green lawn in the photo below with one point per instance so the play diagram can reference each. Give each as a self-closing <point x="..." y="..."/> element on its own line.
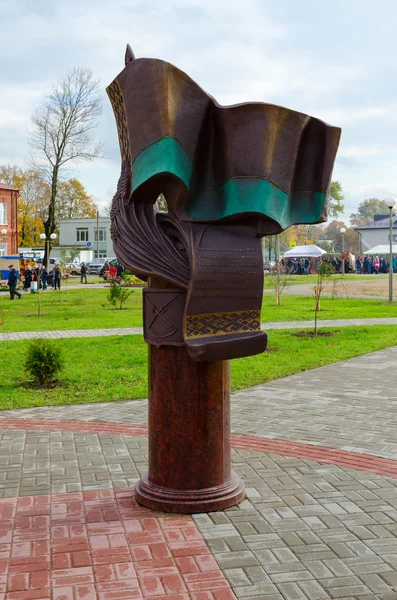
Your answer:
<point x="75" y="280"/>
<point x="115" y="368"/>
<point x="89" y="309"/>
<point x="301" y="308"/>
<point x="69" y="309"/>
<point x="312" y="279"/>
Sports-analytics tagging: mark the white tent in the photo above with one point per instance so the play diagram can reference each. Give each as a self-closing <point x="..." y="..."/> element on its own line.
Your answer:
<point x="383" y="249"/>
<point x="305" y="251"/>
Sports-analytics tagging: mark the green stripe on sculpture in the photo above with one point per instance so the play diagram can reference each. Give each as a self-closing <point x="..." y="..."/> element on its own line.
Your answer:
<point x="235" y="196"/>
<point x="251" y="194"/>
<point x="165" y="156"/>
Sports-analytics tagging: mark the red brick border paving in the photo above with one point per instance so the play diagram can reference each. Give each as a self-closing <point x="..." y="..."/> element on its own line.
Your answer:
<point x="102" y="545"/>
<point x="321" y="454"/>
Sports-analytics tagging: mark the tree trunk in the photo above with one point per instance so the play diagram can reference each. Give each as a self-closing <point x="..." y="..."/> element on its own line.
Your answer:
<point x="49" y="224"/>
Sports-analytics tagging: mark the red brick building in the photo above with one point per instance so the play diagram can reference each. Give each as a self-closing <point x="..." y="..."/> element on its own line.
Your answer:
<point x="8" y="220"/>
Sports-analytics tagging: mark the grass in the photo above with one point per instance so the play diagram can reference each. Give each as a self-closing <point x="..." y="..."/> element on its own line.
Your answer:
<point x="89" y="309"/>
<point x="75" y="280"/>
<point x="301" y="308"/>
<point x="69" y="309"/>
<point x="114" y="368"/>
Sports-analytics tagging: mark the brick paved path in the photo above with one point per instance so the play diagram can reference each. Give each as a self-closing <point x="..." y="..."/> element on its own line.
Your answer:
<point x="72" y="333"/>
<point x="317" y="522"/>
<point x="306" y="530"/>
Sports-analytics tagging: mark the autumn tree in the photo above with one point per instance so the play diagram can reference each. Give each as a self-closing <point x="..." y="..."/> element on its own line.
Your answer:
<point x="333" y="233"/>
<point x="335" y="199"/>
<point x="73" y="201"/>
<point x="32" y="201"/>
<point x="63" y="132"/>
<point x="366" y="211"/>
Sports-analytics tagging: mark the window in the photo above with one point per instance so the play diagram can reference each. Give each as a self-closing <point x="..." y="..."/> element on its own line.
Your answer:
<point x="3" y="249"/>
<point x="102" y="235"/>
<point x="3" y="213"/>
<point x="82" y="234"/>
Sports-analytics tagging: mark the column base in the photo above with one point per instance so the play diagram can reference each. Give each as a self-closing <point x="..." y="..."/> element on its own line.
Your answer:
<point x="189" y="501"/>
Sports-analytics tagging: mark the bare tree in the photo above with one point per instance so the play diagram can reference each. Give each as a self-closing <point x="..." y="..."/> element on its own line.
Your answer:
<point x="63" y="131"/>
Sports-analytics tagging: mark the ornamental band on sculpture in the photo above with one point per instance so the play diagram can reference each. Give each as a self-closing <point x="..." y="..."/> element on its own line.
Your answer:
<point x="230" y="175"/>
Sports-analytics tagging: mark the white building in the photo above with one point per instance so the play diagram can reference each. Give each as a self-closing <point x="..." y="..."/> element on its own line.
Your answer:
<point x="81" y="234"/>
<point x="378" y="233"/>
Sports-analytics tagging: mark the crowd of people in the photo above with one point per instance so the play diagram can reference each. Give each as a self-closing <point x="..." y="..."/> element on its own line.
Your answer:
<point x="39" y="274"/>
<point x="113" y="272"/>
<point x="29" y="275"/>
<point x="369" y="265"/>
<point x="362" y="265"/>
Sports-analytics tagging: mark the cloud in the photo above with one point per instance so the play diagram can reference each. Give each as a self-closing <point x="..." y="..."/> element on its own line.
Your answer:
<point x="320" y="58"/>
<point x="371" y="150"/>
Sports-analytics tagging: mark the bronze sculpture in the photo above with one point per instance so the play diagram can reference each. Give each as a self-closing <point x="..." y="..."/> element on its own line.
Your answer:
<point x="230" y="175"/>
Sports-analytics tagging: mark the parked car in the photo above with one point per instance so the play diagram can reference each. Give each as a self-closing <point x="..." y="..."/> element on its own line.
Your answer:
<point x="52" y="263"/>
<point x="268" y="265"/>
<point x="94" y="267"/>
<point x="73" y="269"/>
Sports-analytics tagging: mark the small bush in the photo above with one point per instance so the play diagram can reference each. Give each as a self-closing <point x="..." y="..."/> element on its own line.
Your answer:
<point x="118" y="295"/>
<point x="43" y="361"/>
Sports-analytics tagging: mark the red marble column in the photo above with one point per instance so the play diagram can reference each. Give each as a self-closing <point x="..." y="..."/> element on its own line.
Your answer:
<point x="189" y="435"/>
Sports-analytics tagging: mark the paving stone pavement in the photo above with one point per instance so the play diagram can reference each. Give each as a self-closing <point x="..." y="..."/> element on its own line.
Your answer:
<point x="69" y="333"/>
<point x="73" y="333"/>
<point x="305" y="531"/>
<point x="356" y="408"/>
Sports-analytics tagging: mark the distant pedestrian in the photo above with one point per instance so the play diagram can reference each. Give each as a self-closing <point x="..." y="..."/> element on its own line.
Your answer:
<point x="119" y="273"/>
<point x="120" y="270"/>
<point x="13" y="282"/>
<point x="83" y="272"/>
<point x="112" y="273"/>
<point x="383" y="264"/>
<point x="44" y="275"/>
<point x="37" y="275"/>
<point x="28" y="279"/>
<point x="56" y="276"/>
<point x="377" y="265"/>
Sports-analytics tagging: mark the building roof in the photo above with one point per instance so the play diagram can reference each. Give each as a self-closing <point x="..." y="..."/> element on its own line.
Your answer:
<point x="382" y="249"/>
<point x="381" y="224"/>
<point x="7" y="187"/>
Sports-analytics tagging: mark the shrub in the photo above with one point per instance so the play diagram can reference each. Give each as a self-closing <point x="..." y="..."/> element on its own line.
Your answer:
<point x="43" y="361"/>
<point x="130" y="279"/>
<point x="118" y="295"/>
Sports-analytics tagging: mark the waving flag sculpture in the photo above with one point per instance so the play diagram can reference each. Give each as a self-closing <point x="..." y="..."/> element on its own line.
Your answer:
<point x="230" y="175"/>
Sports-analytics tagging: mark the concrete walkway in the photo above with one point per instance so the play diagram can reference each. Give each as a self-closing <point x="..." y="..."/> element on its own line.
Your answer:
<point x="75" y="333"/>
<point x="317" y="452"/>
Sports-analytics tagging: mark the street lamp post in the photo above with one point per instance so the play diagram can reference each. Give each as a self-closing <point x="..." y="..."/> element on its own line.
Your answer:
<point x="391" y="202"/>
<point x="343" y="231"/>
<point x="52" y="237"/>
<point x="4" y="233"/>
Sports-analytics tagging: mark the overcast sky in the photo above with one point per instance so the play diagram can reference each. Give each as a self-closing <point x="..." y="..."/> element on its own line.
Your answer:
<point x="333" y="59"/>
